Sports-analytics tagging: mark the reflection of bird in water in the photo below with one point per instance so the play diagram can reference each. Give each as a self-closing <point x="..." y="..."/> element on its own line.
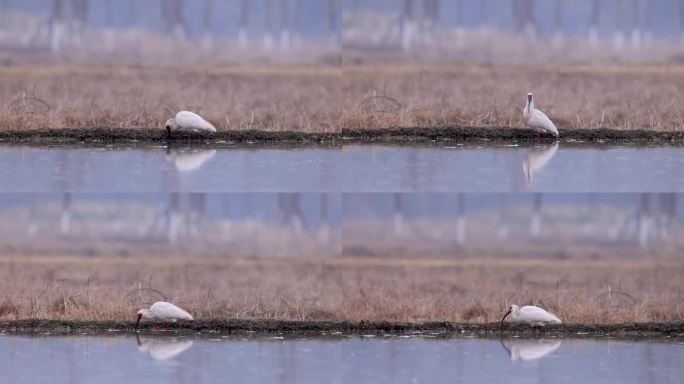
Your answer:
<point x="536" y="159"/>
<point x="189" y="160"/>
<point x="530" y="349"/>
<point x="162" y="348"/>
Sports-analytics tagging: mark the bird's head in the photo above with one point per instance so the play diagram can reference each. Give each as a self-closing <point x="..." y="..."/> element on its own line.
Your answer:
<point x="170" y="123"/>
<point x="511" y="308"/>
<point x="142" y="313"/>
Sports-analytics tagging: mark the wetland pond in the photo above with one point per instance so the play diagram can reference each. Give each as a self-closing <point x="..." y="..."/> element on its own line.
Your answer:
<point x="469" y="167"/>
<point x="336" y="359"/>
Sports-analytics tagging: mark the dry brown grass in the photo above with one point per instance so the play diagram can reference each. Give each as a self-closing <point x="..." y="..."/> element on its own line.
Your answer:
<point x="273" y="98"/>
<point x="342" y="288"/>
<point x="625" y="96"/>
<point x="322" y="98"/>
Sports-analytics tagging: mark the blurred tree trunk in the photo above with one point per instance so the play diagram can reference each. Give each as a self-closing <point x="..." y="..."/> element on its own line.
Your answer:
<point x="297" y="21"/>
<point x="619" y="23"/>
<point x="483" y="13"/>
<point x="243" y="24"/>
<point x="398" y="217"/>
<point x="636" y="24"/>
<point x="535" y="225"/>
<point x="523" y="12"/>
<point x="268" y="24"/>
<point x="285" y="21"/>
<point x="207" y="13"/>
<point x="333" y="20"/>
<point x="681" y="19"/>
<point x="461" y="220"/>
<point x="406" y="26"/>
<point x="172" y="14"/>
<point x="594" y="22"/>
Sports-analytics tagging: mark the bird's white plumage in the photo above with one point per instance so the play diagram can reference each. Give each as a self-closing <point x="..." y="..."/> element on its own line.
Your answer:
<point x="531" y="314"/>
<point x="189" y="122"/>
<point x="162" y="310"/>
<point x="537" y="119"/>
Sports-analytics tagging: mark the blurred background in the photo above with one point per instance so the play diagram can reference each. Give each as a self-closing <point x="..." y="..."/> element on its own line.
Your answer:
<point x="514" y="29"/>
<point x="620" y="226"/>
<point x="143" y="30"/>
<point x="196" y="225"/>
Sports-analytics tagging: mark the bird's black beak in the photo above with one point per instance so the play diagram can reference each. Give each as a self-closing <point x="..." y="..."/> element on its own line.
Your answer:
<point x="504" y="318"/>
<point x="138" y="322"/>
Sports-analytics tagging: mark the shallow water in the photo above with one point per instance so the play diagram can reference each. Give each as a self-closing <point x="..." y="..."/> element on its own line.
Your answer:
<point x="398" y="359"/>
<point x="159" y="169"/>
<point x="511" y="168"/>
<point x="559" y="167"/>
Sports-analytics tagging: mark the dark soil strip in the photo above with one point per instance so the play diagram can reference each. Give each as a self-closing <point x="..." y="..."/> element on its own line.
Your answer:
<point x="637" y="330"/>
<point x="350" y="135"/>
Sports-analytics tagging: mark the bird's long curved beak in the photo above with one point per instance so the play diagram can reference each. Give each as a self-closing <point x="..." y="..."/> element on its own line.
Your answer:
<point x="168" y="131"/>
<point x="504" y="318"/>
<point x="138" y="322"/>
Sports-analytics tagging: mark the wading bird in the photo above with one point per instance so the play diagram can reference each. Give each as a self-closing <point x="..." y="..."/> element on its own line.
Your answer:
<point x="530" y="314"/>
<point x="161" y="310"/>
<point x="536" y="119"/>
<point x="189" y="122"/>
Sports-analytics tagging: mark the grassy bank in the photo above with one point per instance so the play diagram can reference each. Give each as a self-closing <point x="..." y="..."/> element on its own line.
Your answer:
<point x="333" y="288"/>
<point x="433" y="329"/>
<point x="346" y="136"/>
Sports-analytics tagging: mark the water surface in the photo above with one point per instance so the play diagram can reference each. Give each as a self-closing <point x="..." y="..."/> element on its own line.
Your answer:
<point x="559" y="167"/>
<point x="397" y="359"/>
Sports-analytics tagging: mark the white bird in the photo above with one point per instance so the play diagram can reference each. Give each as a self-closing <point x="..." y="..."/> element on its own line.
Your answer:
<point x="536" y="119"/>
<point x="530" y="314"/>
<point x="536" y="159"/>
<point x="163" y="349"/>
<point x="189" y="122"/>
<point x="164" y="311"/>
<point x="530" y="349"/>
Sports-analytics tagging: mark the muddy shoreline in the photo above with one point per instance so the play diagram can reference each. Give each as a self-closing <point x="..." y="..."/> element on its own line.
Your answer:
<point x="348" y="135"/>
<point x="444" y="329"/>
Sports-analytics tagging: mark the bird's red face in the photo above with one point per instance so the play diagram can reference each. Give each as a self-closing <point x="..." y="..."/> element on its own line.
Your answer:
<point x="529" y="97"/>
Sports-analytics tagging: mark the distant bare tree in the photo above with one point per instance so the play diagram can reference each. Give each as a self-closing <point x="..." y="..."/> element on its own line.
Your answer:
<point x="636" y="23"/>
<point x="523" y="11"/>
<point x="483" y="13"/>
<point x="461" y="220"/>
<point x="535" y="225"/>
<point x="406" y="26"/>
<point x="594" y="22"/>
<point x="285" y="21"/>
<point x="207" y="13"/>
<point x="558" y="21"/>
<point x="681" y="19"/>
<point x="398" y="217"/>
<point x="172" y="15"/>
<point x="333" y="11"/>
<point x="132" y="14"/>
<point x="619" y="38"/>
<point x="268" y="24"/>
<point x="243" y="24"/>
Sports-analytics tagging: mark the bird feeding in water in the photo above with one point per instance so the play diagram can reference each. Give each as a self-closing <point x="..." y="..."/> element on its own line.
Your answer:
<point x="189" y="122"/>
<point x="536" y="119"/>
<point x="530" y="314"/>
<point x="161" y="310"/>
